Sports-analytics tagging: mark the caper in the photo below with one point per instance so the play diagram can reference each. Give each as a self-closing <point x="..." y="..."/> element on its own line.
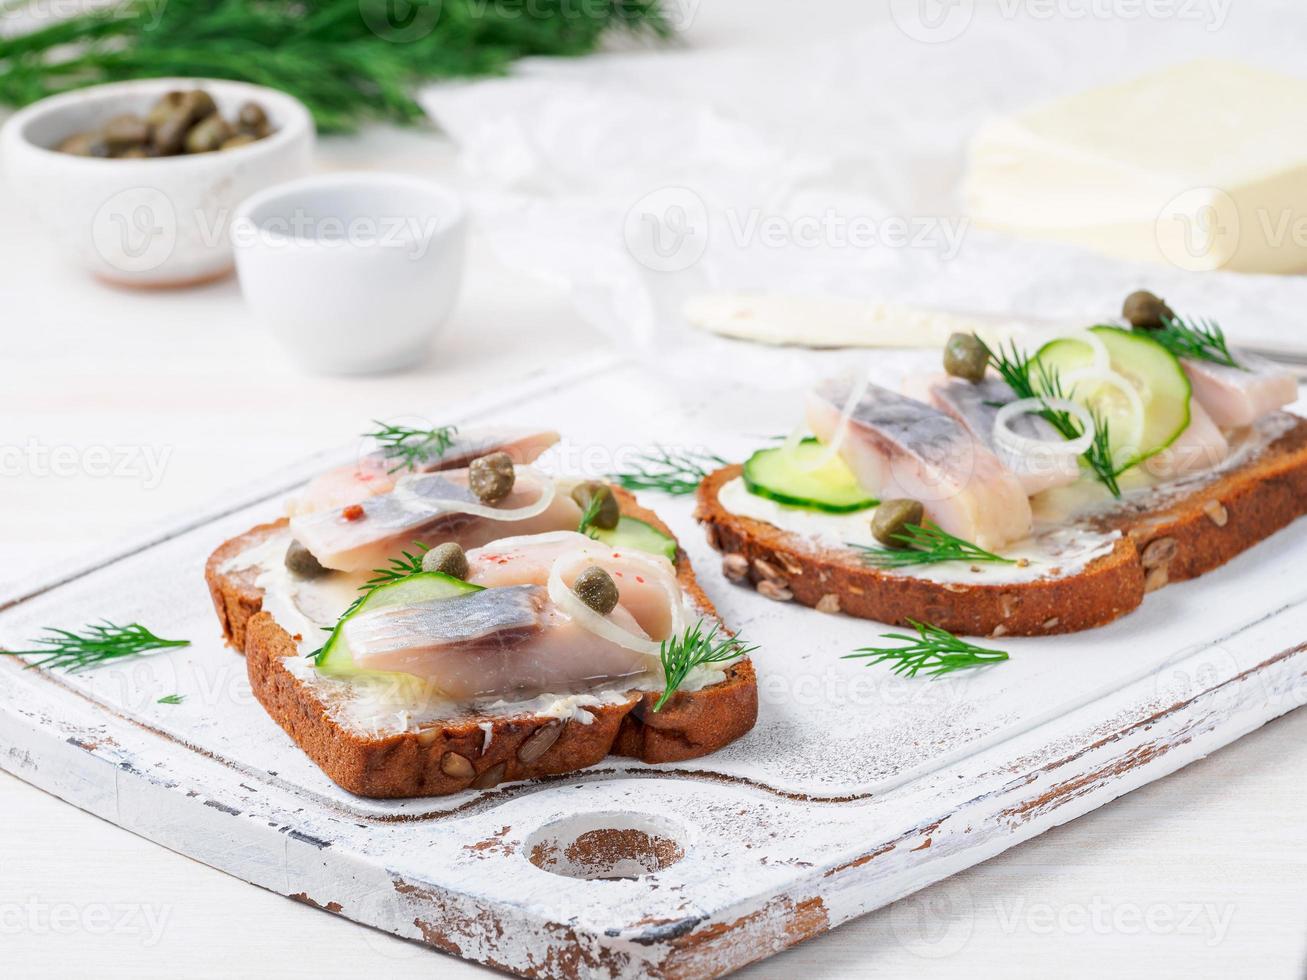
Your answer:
<point x="208" y="134"/>
<point x="250" y="118"/>
<point x="169" y="135"/>
<point x="447" y="558"/>
<point x="966" y="357"/>
<point x="199" y="104"/>
<point x="301" y="562"/>
<point x="240" y="139"/>
<point x="491" y="477"/>
<point x="596" y="589"/>
<point x="167" y="107"/>
<point x="1146" y="311"/>
<point x="135" y="153"/>
<point x="892" y="519"/>
<point x="609" y="512"/>
<point x="124" y="132"/>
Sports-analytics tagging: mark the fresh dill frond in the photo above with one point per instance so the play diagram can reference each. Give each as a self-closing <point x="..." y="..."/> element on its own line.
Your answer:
<point x="1198" y="340"/>
<point x="933" y="650"/>
<point x="671" y="471"/>
<point x="584" y="526"/>
<point x="94" y="646"/>
<point x="410" y="448"/>
<point x="928" y="545"/>
<point x="409" y="564"/>
<point x="694" y="648"/>
<point x="1041" y="380"/>
<point x="172" y="699"/>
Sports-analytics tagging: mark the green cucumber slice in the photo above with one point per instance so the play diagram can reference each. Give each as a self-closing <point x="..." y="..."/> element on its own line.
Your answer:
<point x="1151" y="369"/>
<point x="631" y="532"/>
<point x="336" y="659"/>
<point x="785" y="475"/>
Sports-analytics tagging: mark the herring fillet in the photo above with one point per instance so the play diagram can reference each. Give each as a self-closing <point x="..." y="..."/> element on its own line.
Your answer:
<point x="393" y="522"/>
<point x="902" y="448"/>
<point x="976" y="405"/>
<point x="1236" y="397"/>
<point x="510" y="640"/>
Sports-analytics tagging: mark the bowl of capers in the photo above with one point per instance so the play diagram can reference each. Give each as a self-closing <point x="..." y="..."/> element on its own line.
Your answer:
<point x="139" y="181"/>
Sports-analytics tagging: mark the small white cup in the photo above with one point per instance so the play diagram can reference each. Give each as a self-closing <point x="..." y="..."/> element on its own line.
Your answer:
<point x="353" y="273"/>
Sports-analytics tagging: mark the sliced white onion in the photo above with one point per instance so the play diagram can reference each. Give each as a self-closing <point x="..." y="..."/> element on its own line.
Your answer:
<point x="585" y="617"/>
<point x="1022" y="453"/>
<point x="1119" y="381"/>
<point x="832" y="448"/>
<point x="418" y="504"/>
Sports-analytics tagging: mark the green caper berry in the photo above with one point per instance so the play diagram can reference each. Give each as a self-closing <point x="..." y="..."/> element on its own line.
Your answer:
<point x="491" y="477"/>
<point x="609" y="512"/>
<point x="966" y="357"/>
<point x="1146" y="311"/>
<point x="447" y="558"/>
<point x="892" y="519"/>
<point x="596" y="589"/>
<point x="300" y="561"/>
<point x="208" y="134"/>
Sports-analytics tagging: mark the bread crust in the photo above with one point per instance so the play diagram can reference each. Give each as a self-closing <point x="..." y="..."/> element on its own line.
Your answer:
<point x="1172" y="542"/>
<point x="414" y="764"/>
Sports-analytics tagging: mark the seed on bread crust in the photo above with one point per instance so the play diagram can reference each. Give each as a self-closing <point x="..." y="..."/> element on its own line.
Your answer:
<point x="774" y="590"/>
<point x="453" y="764"/>
<point x="1216" y="510"/>
<point x="1159" y="552"/>
<point x="491" y="777"/>
<point x="1156" y="578"/>
<point x="829" y="603"/>
<point x="735" y="567"/>
<point x="539" y="742"/>
<point x="768" y="572"/>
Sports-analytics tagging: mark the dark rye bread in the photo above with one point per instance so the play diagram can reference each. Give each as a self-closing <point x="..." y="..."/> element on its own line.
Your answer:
<point x="448" y="758"/>
<point x="1167" y="540"/>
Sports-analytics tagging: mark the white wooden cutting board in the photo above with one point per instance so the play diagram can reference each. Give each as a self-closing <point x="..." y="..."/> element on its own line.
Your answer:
<point x="856" y="787"/>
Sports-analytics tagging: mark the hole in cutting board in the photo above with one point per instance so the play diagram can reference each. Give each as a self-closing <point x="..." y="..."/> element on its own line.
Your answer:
<point x="606" y="846"/>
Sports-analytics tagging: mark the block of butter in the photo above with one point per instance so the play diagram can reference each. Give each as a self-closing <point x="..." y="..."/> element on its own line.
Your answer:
<point x="1202" y="166"/>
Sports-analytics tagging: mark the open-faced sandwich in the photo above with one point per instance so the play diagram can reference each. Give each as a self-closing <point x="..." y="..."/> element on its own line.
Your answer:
<point x="443" y="615"/>
<point x="1022" y="493"/>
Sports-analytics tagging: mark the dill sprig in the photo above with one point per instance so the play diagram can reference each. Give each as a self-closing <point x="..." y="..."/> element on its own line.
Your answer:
<point x="584" y="526"/>
<point x="671" y="471"/>
<point x="1198" y="340"/>
<point x="1040" y="380"/>
<point x="172" y="699"/>
<point x="410" y="448"/>
<point x="409" y="564"/>
<point x="933" y="650"/>
<point x="95" y="645"/>
<point x="928" y="545"/>
<point x="349" y="61"/>
<point x="694" y="648"/>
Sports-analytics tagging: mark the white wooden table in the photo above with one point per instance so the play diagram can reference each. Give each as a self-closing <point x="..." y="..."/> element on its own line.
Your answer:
<point x="1199" y="874"/>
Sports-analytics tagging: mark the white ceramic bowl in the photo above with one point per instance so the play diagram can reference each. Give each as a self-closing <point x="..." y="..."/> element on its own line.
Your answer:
<point x="152" y="222"/>
<point x="354" y="272"/>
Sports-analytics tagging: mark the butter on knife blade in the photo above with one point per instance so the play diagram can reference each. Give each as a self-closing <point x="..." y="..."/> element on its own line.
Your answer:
<point x="830" y="321"/>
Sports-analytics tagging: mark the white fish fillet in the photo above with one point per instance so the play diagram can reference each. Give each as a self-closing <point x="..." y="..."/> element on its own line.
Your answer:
<point x="500" y="642"/>
<point x="898" y="447"/>
<point x="1199" y="447"/>
<point x="419" y="510"/>
<point x="370" y="476"/>
<point x="976" y="407"/>
<point x="1235" y="398"/>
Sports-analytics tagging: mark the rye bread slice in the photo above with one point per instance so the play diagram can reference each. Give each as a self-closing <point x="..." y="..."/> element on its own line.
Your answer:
<point x="456" y="755"/>
<point x="1165" y="539"/>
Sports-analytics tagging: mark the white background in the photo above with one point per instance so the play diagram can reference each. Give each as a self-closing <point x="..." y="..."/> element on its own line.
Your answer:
<point x="1201" y="874"/>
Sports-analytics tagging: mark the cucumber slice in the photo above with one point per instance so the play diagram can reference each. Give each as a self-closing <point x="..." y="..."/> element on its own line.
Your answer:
<point x="786" y="476"/>
<point x="631" y="532"/>
<point x="337" y="660"/>
<point x="1152" y="370"/>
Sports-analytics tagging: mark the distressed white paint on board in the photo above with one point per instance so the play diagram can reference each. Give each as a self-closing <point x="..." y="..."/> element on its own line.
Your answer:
<point x="855" y="788"/>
